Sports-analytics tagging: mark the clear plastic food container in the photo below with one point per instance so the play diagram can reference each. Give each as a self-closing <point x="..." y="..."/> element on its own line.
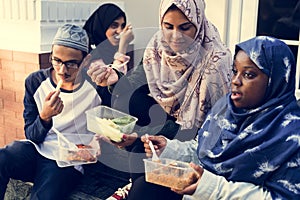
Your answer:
<point x="109" y="122"/>
<point x="170" y="173"/>
<point x="77" y="149"/>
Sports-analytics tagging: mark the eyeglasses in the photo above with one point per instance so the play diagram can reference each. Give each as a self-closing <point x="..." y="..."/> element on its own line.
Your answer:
<point x="69" y="64"/>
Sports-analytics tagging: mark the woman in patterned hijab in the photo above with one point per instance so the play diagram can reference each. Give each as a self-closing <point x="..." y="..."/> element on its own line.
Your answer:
<point x="258" y="144"/>
<point x="186" y="76"/>
<point x="249" y="144"/>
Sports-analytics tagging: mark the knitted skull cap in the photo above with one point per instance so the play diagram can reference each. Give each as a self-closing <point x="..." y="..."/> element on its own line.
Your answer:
<point x="73" y="36"/>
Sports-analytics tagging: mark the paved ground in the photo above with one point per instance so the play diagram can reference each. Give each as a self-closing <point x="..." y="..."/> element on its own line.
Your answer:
<point x="98" y="184"/>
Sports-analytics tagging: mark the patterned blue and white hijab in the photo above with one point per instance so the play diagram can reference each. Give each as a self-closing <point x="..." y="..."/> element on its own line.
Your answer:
<point x="261" y="145"/>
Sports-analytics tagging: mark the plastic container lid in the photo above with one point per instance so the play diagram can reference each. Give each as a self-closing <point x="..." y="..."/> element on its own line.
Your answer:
<point x="85" y="153"/>
<point x="109" y="122"/>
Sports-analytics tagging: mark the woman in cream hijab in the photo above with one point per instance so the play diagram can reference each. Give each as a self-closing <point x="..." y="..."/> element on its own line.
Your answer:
<point x="186" y="64"/>
<point x="185" y="70"/>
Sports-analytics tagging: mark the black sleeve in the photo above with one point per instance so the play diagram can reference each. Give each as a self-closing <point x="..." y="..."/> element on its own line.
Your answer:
<point x="35" y="129"/>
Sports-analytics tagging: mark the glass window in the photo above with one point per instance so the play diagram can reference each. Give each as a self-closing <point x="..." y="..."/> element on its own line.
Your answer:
<point x="281" y="19"/>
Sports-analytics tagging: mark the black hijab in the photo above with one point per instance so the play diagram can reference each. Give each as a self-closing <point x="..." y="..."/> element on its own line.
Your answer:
<point x="96" y="27"/>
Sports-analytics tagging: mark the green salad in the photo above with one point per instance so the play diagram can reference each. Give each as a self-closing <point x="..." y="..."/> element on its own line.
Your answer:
<point x="121" y="121"/>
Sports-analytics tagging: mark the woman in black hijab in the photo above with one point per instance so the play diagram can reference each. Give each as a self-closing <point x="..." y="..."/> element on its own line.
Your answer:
<point x="109" y="38"/>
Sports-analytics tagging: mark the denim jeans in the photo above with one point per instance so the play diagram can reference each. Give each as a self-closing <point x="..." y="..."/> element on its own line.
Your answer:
<point x="21" y="161"/>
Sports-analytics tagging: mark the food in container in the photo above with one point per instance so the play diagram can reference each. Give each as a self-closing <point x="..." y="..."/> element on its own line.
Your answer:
<point x="110" y="122"/>
<point x="87" y="148"/>
<point x="82" y="154"/>
<point x="170" y="173"/>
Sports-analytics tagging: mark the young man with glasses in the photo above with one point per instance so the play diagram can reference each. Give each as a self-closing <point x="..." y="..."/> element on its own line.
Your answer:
<point x="46" y="107"/>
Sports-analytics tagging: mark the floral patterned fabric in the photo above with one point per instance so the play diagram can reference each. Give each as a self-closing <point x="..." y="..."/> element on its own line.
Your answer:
<point x="262" y="145"/>
<point x="186" y="84"/>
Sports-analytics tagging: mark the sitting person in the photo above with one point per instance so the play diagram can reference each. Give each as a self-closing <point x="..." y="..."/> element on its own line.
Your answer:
<point x="109" y="39"/>
<point x="185" y="70"/>
<point x="109" y="34"/>
<point x="248" y="146"/>
<point x="56" y="97"/>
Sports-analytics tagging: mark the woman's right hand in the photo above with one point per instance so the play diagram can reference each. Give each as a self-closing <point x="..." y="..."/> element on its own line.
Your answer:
<point x="102" y="74"/>
<point x="159" y="143"/>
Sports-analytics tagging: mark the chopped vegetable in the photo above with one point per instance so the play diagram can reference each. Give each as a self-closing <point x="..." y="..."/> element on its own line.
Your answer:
<point x="123" y="120"/>
<point x="110" y="129"/>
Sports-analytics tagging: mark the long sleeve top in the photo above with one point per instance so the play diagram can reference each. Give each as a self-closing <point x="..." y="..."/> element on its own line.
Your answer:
<point x="212" y="186"/>
<point x="71" y="120"/>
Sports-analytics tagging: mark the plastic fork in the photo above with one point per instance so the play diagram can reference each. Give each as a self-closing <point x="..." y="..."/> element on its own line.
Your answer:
<point x="154" y="154"/>
<point x="71" y="145"/>
<point x="119" y="65"/>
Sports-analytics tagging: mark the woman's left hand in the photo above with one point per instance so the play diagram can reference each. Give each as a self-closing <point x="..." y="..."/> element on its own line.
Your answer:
<point x="189" y="190"/>
<point x="127" y="35"/>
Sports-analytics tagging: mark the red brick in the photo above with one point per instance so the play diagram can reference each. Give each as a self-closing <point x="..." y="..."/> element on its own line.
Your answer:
<point x="6" y="74"/>
<point x="5" y="54"/>
<point x="19" y="67"/>
<point x="1" y="120"/>
<point x="7" y="94"/>
<point x="7" y="112"/>
<point x="30" y="67"/>
<point x="9" y="138"/>
<point x="7" y="65"/>
<point x="19" y="96"/>
<point x="2" y="140"/>
<point x="13" y="122"/>
<point x="14" y="68"/>
<point x="25" y="57"/>
<point x="1" y="104"/>
<point x="9" y="133"/>
<point x="20" y="133"/>
<point x="12" y="85"/>
<point x="12" y="106"/>
<point x="19" y="76"/>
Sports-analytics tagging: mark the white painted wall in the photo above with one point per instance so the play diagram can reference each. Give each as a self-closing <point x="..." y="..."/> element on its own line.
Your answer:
<point x="30" y="25"/>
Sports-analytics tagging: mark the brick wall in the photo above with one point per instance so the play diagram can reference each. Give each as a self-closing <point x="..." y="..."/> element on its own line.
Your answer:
<point x="14" y="68"/>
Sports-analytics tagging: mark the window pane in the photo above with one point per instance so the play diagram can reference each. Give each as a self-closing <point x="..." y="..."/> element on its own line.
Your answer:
<point x="279" y="18"/>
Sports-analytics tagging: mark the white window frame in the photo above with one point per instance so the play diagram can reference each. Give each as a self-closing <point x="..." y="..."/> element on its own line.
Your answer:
<point x="237" y="22"/>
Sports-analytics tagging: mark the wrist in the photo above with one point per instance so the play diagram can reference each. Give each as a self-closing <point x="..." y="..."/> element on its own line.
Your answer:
<point x="123" y="45"/>
<point x="46" y="123"/>
<point x="44" y="118"/>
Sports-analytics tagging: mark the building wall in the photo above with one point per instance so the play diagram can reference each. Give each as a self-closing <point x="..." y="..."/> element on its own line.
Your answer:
<point x="14" y="68"/>
<point x="28" y="27"/>
<point x="27" y="30"/>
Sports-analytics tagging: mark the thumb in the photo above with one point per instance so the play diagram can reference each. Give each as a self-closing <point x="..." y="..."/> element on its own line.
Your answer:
<point x="197" y="168"/>
<point x="132" y="135"/>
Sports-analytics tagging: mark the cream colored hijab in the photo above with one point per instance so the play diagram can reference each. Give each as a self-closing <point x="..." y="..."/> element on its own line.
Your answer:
<point x="186" y="84"/>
